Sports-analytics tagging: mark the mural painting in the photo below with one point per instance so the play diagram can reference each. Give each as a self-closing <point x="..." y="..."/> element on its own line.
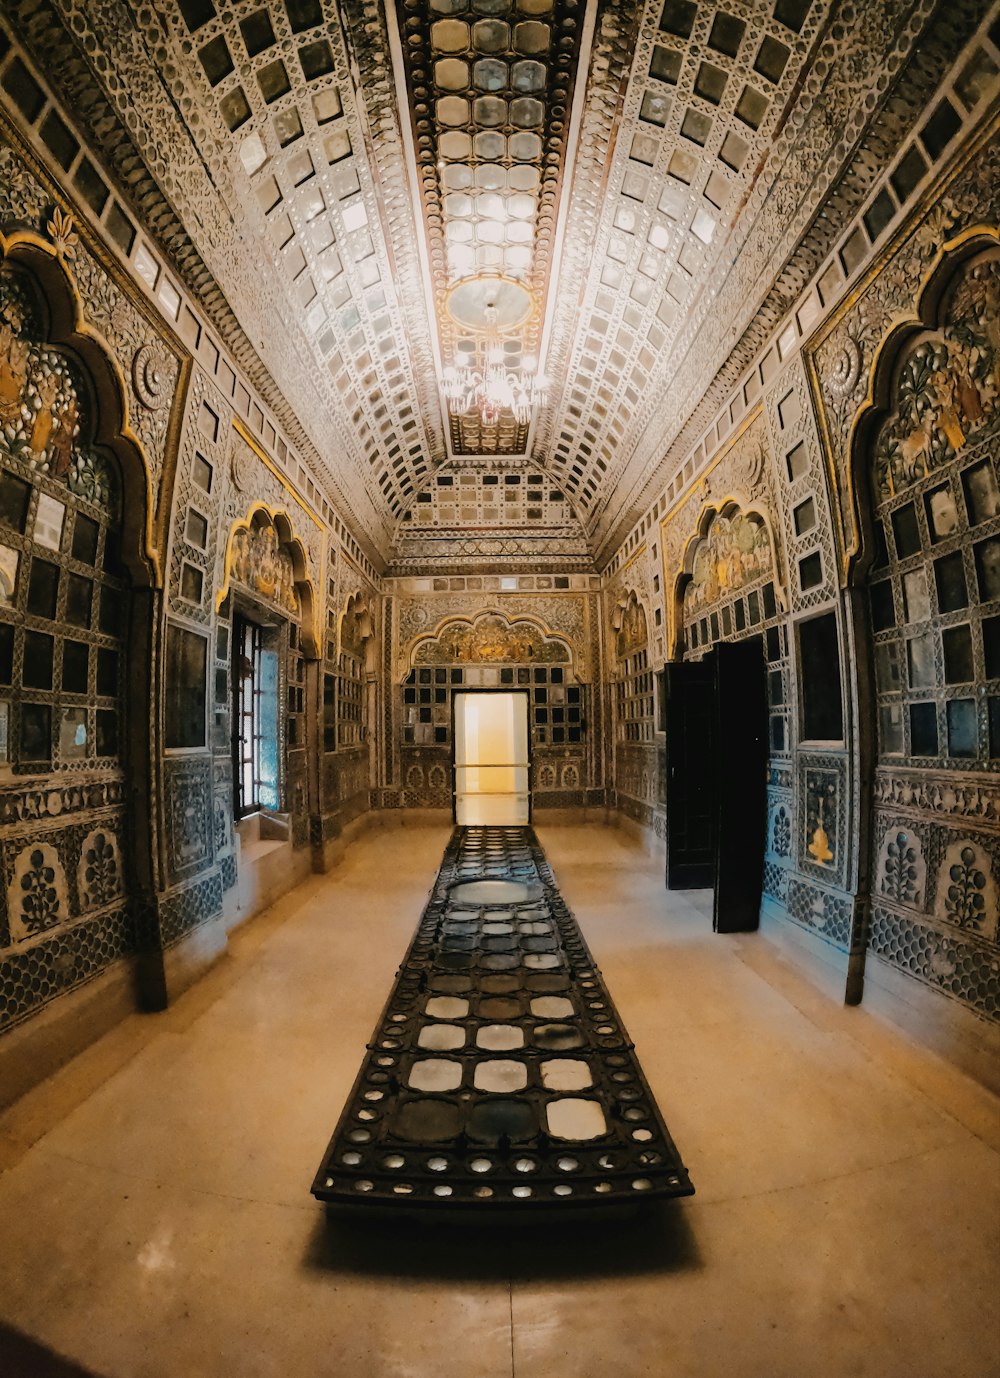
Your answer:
<point x="491" y="640"/>
<point x="947" y="388"/>
<point x="260" y="563"/>
<point x="43" y="401"/>
<point x="736" y="551"/>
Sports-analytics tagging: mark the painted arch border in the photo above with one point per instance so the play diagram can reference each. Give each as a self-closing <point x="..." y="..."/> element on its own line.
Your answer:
<point x="470" y="619"/>
<point x="290" y="541"/>
<point x="731" y="504"/>
<point x="69" y="330"/>
<point x="925" y="318"/>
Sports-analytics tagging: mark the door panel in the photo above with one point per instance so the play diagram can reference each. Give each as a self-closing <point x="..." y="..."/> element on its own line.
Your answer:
<point x="691" y="773"/>
<point x="741" y="805"/>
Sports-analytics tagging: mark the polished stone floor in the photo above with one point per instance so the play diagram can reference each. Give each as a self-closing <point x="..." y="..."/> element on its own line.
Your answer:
<point x="155" y="1215"/>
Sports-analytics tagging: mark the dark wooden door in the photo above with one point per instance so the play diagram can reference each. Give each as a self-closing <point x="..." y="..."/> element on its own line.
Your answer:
<point x="741" y="801"/>
<point x="691" y="773"/>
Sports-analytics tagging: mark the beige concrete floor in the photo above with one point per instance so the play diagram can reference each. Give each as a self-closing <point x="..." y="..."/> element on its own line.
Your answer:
<point x="155" y="1216"/>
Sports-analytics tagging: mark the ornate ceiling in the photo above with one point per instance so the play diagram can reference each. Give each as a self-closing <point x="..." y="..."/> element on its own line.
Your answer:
<point x="376" y="200"/>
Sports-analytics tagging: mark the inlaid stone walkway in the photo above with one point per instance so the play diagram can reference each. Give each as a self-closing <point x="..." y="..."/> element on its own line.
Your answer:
<point x="500" y="1074"/>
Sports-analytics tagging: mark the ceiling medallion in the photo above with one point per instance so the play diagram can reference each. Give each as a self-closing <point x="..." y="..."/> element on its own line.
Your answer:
<point x="492" y="307"/>
<point x="470" y="300"/>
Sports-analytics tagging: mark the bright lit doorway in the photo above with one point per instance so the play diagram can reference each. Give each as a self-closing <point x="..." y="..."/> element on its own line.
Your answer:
<point x="491" y="758"/>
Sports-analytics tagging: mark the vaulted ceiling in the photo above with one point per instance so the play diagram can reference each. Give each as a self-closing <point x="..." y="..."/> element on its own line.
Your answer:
<point x="609" y="204"/>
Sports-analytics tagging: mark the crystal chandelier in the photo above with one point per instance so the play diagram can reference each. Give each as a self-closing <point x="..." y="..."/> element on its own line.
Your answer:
<point x="497" y="388"/>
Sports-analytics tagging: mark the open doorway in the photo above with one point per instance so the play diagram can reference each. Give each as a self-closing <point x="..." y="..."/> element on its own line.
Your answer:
<point x="491" y="758"/>
<point x="717" y="754"/>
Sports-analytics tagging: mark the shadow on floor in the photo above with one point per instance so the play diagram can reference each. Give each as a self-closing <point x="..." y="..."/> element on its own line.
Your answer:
<point x="21" y="1357"/>
<point x="657" y="1239"/>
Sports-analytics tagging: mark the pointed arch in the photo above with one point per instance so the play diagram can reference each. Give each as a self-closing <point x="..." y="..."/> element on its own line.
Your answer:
<point x="925" y="323"/>
<point x="630" y="623"/>
<point x="522" y="636"/>
<point x="258" y="519"/>
<point x="738" y="568"/>
<point x="356" y="629"/>
<point x="67" y="330"/>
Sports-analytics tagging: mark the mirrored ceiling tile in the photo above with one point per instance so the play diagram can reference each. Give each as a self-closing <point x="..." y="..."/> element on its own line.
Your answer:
<point x="655" y="107"/>
<point x="703" y="225"/>
<point x="490" y="110"/>
<point x="490" y="145"/>
<point x="457" y="177"/>
<point x="253" y="154"/>
<point x="526" y="112"/>
<point x="490" y="204"/>
<point x="491" y="6"/>
<point x="519" y="232"/>
<point x="635" y="184"/>
<point x="524" y="178"/>
<point x="457" y="203"/>
<point x="449" y="6"/>
<point x="528" y="76"/>
<point x="659" y="235"/>
<point x="490" y="231"/>
<point x="461" y="259"/>
<point x="273" y="81"/>
<point x="451" y="74"/>
<point x="450" y="36"/>
<point x="526" y="148"/>
<point x="696" y="126"/>
<point x="287" y="126"/>
<point x="522" y="207"/>
<point x="532" y="37"/>
<point x="452" y="110"/>
<point x="327" y="105"/>
<point x="491" y="36"/>
<point x="625" y="218"/>
<point x="455" y="144"/>
<point x="490" y="176"/>
<point x="490" y="74"/>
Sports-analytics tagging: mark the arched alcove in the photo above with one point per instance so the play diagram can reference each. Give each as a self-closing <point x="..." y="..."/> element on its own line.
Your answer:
<point x="731" y="549"/>
<point x="93" y="380"/>
<point x="264" y="554"/>
<point x="489" y="638"/>
<point x="357" y="631"/>
<point x="926" y="484"/>
<point x="76" y="680"/>
<point x="932" y="383"/>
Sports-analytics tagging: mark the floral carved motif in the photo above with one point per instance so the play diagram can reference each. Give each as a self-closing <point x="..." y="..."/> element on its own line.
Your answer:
<point x="149" y="378"/>
<point x="967" y="892"/>
<point x="37" y="898"/>
<point x="781" y="832"/>
<point x="902" y="870"/>
<point x="99" y="876"/>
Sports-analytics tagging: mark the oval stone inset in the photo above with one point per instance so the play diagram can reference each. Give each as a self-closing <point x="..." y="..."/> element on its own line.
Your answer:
<point x="435" y="1074"/>
<point x="572" y="1118"/>
<point x="500" y="1074"/>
